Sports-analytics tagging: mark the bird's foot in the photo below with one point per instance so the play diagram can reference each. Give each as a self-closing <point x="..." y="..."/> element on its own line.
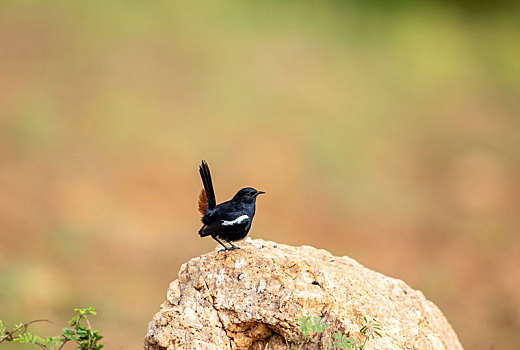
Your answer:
<point x="233" y="247"/>
<point x="223" y="250"/>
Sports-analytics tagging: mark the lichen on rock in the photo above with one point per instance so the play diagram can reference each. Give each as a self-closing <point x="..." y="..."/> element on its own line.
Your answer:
<point x="251" y="299"/>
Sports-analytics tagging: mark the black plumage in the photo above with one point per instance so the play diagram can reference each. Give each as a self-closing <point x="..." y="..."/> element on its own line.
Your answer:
<point x="229" y="221"/>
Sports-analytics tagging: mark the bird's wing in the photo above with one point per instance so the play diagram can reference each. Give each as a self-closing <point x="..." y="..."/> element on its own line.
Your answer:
<point x="229" y="223"/>
<point x="242" y="220"/>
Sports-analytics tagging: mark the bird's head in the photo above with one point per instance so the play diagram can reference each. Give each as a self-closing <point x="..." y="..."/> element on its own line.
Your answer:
<point x="247" y="195"/>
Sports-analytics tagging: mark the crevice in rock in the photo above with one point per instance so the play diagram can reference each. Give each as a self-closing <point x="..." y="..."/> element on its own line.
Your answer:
<point x="273" y="341"/>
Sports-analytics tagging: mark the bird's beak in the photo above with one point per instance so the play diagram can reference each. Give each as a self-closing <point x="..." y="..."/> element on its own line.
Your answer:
<point x="259" y="192"/>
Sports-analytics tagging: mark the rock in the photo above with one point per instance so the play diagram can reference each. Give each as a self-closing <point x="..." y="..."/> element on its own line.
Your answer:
<point x="251" y="299"/>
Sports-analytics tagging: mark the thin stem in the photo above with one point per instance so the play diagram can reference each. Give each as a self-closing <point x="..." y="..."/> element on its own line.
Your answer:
<point x="9" y="334"/>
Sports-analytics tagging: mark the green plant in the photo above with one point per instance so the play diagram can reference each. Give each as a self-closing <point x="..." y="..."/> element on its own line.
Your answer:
<point x="78" y="331"/>
<point x="313" y="328"/>
<point x="311" y="325"/>
<point x="370" y="329"/>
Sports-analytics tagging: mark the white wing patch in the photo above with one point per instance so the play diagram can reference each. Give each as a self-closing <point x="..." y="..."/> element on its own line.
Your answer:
<point x="237" y="221"/>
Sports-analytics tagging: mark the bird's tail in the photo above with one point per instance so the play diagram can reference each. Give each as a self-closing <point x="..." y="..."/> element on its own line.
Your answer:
<point x="207" y="199"/>
<point x="202" y="233"/>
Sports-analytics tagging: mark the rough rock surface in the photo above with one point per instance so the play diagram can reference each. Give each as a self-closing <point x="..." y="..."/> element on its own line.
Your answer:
<point x="251" y="298"/>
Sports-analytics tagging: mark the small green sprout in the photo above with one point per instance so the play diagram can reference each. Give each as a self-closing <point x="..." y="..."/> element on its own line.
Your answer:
<point x="313" y="328"/>
<point x="78" y="331"/>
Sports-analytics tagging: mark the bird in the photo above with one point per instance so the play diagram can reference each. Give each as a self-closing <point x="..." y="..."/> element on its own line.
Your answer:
<point x="230" y="220"/>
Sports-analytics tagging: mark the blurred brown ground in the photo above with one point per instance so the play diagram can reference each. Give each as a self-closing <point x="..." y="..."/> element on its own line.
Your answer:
<point x="387" y="134"/>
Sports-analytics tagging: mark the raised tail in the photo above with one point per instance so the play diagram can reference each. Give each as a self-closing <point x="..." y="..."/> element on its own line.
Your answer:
<point x="207" y="199"/>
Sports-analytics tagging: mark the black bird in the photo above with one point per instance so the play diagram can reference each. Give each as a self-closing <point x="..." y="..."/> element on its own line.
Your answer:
<point x="230" y="220"/>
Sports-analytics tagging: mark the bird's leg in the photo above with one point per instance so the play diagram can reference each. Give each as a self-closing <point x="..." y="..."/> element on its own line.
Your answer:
<point x="225" y="248"/>
<point x="232" y="245"/>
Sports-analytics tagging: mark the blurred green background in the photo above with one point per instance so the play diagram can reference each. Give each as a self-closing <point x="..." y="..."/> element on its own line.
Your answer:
<point x="389" y="133"/>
